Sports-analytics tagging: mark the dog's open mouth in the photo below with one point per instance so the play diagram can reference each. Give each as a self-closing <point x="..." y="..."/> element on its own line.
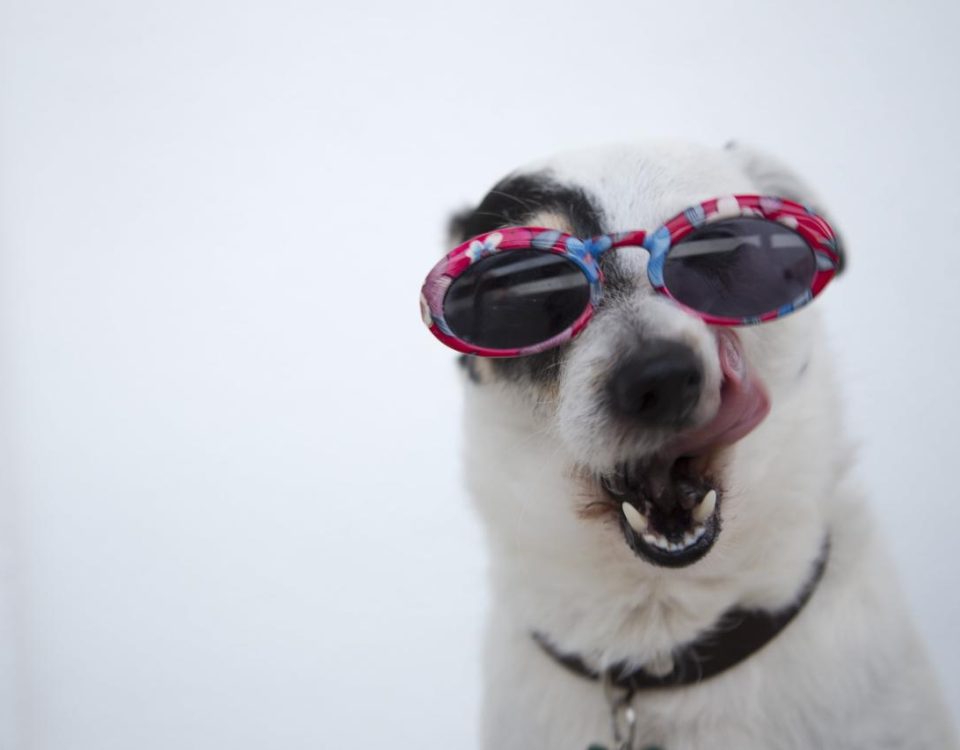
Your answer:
<point x="669" y="510"/>
<point x="669" y="504"/>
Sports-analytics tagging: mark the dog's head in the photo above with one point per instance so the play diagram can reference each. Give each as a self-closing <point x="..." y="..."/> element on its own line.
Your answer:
<point x="651" y="432"/>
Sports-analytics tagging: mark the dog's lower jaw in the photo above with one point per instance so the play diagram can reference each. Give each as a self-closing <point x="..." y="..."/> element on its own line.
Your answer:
<point x="658" y="549"/>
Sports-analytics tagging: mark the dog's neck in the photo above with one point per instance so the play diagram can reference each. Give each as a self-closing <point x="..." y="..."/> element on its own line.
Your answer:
<point x="737" y="636"/>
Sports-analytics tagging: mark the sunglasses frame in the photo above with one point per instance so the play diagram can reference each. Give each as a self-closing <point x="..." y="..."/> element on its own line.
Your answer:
<point x="586" y="254"/>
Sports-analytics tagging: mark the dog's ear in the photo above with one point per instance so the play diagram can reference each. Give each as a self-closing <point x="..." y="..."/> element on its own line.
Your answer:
<point x="773" y="177"/>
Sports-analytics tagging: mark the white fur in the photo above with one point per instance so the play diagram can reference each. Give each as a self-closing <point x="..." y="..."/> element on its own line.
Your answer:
<point x="847" y="673"/>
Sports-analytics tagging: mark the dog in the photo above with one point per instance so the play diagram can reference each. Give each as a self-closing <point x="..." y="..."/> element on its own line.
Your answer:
<point x="775" y="622"/>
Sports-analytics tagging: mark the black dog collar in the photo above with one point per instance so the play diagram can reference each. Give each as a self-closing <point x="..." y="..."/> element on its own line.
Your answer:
<point x="737" y="635"/>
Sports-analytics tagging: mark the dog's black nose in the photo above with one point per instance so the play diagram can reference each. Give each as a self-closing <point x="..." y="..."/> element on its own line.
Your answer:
<point x="658" y="384"/>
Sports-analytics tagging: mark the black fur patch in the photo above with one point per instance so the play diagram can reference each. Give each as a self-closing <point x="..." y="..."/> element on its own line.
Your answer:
<point x="513" y="201"/>
<point x="469" y="364"/>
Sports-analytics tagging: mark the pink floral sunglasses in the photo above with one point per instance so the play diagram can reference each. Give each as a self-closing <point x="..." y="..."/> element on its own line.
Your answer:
<point x="737" y="260"/>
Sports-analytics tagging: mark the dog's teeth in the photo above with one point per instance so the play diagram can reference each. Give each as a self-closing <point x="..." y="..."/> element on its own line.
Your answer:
<point x="706" y="507"/>
<point x="636" y="519"/>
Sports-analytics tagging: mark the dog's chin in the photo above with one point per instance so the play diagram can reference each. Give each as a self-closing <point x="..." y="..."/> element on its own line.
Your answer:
<point x="668" y="509"/>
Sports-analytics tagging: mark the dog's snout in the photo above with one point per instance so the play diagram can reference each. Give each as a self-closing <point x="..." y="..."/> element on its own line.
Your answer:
<point x="658" y="385"/>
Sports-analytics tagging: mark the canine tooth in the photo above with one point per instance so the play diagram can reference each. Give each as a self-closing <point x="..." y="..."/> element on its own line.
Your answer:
<point x="706" y="507"/>
<point x="636" y="520"/>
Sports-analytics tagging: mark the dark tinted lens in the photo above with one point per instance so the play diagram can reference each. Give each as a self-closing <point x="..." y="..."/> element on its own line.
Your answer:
<point x="739" y="268"/>
<point x="515" y="298"/>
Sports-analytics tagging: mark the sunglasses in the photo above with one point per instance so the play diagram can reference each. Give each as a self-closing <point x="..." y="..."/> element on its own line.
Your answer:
<point x="732" y="261"/>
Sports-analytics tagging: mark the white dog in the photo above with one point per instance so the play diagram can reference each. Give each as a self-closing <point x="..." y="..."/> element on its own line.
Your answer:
<point x="771" y="620"/>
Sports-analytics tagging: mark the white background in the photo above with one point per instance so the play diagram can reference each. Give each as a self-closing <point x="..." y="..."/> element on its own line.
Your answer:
<point x="230" y="511"/>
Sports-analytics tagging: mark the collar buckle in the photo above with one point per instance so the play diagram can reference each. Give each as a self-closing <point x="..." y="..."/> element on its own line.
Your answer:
<point x="623" y="717"/>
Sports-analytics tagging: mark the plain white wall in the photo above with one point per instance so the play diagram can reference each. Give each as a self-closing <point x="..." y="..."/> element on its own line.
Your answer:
<point x="231" y="513"/>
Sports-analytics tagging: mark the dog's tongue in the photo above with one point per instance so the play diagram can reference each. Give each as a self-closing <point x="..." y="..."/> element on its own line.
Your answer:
<point x="743" y="403"/>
